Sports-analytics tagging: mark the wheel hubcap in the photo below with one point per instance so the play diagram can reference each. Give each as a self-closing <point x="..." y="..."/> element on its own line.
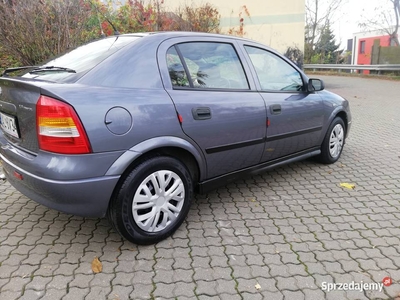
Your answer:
<point x="158" y="201"/>
<point x="336" y="141"/>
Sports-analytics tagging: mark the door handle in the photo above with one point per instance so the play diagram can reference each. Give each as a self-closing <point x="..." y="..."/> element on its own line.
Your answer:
<point x="275" y="109"/>
<point x="201" y="113"/>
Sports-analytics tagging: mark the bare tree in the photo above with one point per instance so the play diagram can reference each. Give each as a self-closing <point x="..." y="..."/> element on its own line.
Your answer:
<point x="387" y="20"/>
<point x="320" y="15"/>
<point x="394" y="30"/>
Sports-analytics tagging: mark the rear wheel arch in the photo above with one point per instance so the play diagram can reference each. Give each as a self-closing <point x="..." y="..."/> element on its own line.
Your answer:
<point x="183" y="155"/>
<point x="166" y="145"/>
<point x="118" y="208"/>
<point x="152" y="199"/>
<point x="180" y="154"/>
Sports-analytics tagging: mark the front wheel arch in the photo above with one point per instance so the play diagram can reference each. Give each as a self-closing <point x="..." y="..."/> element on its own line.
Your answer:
<point x="343" y="116"/>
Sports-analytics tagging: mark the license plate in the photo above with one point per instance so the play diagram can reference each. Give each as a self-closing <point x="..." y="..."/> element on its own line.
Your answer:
<point x="9" y="125"/>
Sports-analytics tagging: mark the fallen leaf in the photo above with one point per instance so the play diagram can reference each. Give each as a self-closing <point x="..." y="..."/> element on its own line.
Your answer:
<point x="330" y="171"/>
<point x="348" y="185"/>
<point x="258" y="286"/>
<point x="97" y="266"/>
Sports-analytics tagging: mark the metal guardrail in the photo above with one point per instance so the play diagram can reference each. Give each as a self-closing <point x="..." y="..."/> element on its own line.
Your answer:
<point x="339" y="67"/>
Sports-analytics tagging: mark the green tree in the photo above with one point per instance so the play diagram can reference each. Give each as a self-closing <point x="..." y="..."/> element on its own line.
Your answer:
<point x="326" y="49"/>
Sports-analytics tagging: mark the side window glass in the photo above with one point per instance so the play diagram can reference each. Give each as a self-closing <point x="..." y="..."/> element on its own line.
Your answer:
<point x="213" y="65"/>
<point x="273" y="72"/>
<point x="176" y="70"/>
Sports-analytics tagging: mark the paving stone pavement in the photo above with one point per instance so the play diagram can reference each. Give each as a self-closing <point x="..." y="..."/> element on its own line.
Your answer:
<point x="284" y="234"/>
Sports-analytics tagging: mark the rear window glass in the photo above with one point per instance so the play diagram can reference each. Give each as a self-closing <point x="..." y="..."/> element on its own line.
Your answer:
<point x="81" y="59"/>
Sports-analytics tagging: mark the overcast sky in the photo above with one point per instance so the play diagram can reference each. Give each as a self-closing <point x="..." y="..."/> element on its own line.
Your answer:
<point x="352" y="13"/>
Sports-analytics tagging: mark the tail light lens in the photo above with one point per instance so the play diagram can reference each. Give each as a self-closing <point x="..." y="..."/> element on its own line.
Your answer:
<point x="59" y="129"/>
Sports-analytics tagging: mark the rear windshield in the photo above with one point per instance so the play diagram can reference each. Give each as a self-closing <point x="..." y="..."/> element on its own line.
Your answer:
<point x="81" y="59"/>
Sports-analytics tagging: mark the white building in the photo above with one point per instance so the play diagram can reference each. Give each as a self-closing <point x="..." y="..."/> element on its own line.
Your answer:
<point x="279" y="24"/>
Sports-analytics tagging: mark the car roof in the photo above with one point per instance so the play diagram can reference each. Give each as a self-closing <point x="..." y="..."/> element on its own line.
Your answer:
<point x="145" y="48"/>
<point x="162" y="35"/>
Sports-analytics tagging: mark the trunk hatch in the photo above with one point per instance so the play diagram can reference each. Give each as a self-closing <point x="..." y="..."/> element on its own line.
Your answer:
<point x="18" y="100"/>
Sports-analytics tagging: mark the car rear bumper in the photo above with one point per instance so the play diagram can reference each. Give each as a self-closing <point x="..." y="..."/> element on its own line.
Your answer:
<point x="84" y="197"/>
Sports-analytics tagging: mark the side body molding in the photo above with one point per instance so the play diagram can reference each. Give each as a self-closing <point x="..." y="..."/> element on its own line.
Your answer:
<point x="120" y="165"/>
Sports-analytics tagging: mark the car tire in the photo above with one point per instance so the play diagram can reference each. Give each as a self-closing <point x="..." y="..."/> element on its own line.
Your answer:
<point x="152" y="201"/>
<point x="333" y="143"/>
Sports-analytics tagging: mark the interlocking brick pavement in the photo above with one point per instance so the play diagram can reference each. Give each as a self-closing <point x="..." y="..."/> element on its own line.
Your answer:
<point x="277" y="235"/>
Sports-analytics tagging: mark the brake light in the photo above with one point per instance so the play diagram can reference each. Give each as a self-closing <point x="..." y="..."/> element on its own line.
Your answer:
<point x="59" y="128"/>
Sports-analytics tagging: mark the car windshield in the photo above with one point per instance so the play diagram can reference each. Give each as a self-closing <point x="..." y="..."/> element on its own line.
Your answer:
<point x="80" y="60"/>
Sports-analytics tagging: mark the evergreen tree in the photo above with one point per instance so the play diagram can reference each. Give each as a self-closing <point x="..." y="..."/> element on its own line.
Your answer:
<point x="326" y="48"/>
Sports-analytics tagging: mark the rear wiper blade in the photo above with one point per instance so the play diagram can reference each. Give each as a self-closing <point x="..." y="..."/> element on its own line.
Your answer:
<point x="37" y="69"/>
<point x="11" y="70"/>
<point x="51" y="68"/>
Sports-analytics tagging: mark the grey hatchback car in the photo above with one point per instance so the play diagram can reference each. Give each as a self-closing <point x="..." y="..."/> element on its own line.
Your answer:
<point x="131" y="126"/>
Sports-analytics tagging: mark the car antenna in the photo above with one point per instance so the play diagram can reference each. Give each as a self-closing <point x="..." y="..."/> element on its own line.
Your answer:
<point x="116" y="32"/>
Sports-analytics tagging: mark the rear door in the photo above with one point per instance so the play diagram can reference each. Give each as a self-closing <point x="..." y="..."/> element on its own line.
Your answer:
<point x="219" y="107"/>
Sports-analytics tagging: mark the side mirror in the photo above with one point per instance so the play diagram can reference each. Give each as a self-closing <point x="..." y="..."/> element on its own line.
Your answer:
<point x="315" y="85"/>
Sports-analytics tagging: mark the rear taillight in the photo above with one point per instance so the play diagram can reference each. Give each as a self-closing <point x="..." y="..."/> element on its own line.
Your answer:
<point x="59" y="128"/>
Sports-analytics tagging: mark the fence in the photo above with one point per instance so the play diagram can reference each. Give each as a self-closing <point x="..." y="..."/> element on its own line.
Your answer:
<point x="376" y="68"/>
